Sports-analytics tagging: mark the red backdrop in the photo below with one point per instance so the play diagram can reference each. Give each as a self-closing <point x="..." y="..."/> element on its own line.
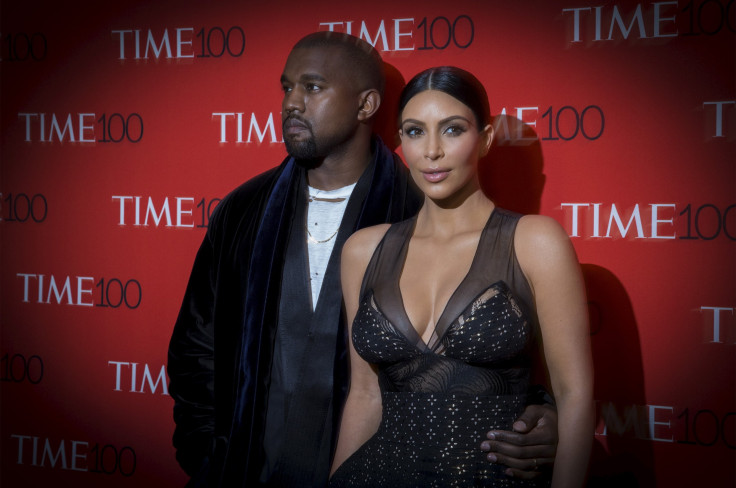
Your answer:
<point x="123" y="125"/>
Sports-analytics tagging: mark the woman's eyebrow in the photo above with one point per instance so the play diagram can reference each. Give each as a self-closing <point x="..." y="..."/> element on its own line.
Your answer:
<point x="441" y="122"/>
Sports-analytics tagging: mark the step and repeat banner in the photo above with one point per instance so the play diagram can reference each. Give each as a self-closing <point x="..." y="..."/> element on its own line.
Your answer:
<point x="124" y="124"/>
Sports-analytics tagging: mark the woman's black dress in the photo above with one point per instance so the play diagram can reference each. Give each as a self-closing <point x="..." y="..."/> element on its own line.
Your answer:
<point x="440" y="398"/>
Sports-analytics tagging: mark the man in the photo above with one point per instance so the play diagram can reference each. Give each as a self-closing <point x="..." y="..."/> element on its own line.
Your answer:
<point x="258" y="356"/>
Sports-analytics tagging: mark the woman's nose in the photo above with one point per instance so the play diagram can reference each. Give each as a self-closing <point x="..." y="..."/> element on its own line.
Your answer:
<point x="433" y="149"/>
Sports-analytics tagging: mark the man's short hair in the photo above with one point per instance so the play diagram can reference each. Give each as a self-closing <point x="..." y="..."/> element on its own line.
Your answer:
<point x="362" y="60"/>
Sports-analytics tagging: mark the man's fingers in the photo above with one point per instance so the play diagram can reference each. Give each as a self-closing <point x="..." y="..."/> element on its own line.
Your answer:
<point x="524" y="475"/>
<point x="522" y="468"/>
<point x="532" y="438"/>
<point x="517" y="456"/>
<point x="529" y="448"/>
<point x="531" y="415"/>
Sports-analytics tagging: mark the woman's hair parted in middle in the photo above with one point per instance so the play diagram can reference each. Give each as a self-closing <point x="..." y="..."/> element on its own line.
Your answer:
<point x="457" y="83"/>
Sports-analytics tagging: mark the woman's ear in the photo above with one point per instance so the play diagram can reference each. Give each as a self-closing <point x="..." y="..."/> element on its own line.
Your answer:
<point x="370" y="100"/>
<point x="486" y="140"/>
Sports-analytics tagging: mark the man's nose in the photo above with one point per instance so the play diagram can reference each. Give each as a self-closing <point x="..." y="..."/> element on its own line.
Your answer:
<point x="293" y="101"/>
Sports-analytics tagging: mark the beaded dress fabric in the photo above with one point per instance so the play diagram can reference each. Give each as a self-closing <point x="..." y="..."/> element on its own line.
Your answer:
<point x="441" y="397"/>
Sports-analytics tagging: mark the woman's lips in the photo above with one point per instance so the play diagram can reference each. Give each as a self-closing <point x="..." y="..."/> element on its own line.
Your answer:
<point x="435" y="176"/>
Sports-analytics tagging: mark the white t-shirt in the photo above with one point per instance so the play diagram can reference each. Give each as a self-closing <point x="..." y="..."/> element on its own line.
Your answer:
<point x="324" y="215"/>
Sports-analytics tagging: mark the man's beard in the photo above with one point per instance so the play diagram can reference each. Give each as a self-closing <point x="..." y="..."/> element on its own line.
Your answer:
<point x="302" y="150"/>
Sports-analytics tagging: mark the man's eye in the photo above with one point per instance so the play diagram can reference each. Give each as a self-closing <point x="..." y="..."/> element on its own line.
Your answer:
<point x="285" y="88"/>
<point x="312" y="87"/>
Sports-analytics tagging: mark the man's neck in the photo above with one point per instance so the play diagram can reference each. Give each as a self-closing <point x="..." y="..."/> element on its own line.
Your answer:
<point x="337" y="171"/>
<point x="343" y="166"/>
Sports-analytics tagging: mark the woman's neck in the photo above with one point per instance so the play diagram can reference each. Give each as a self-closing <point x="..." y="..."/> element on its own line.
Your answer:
<point x="444" y="221"/>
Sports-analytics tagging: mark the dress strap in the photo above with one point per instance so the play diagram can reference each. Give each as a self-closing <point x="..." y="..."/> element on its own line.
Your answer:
<point x="381" y="281"/>
<point x="388" y="258"/>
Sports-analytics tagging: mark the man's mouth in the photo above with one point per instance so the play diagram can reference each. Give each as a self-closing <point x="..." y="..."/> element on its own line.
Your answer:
<point x="294" y="126"/>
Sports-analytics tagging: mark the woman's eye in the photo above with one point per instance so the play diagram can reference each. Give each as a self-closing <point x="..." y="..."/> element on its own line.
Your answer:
<point x="454" y="130"/>
<point x="413" y="131"/>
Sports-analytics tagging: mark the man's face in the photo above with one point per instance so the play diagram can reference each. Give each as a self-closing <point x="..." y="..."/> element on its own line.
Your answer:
<point x="320" y="106"/>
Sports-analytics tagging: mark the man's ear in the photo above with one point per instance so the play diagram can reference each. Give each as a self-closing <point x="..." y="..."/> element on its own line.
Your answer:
<point x="370" y="100"/>
<point x="486" y="140"/>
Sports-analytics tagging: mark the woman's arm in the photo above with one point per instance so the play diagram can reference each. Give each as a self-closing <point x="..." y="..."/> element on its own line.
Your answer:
<point x="362" y="412"/>
<point x="551" y="266"/>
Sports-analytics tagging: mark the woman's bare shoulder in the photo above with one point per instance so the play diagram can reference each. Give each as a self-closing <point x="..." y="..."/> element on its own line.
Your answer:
<point x="540" y="227"/>
<point x="540" y="240"/>
<point x="361" y="245"/>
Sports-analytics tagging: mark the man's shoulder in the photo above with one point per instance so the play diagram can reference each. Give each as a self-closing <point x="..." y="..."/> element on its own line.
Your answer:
<point x="254" y="186"/>
<point x="245" y="200"/>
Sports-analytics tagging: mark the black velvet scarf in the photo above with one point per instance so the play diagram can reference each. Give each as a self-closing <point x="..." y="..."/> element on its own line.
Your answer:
<point x="387" y="195"/>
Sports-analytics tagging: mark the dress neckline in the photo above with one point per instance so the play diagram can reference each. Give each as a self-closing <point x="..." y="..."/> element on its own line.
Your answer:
<point x="442" y="324"/>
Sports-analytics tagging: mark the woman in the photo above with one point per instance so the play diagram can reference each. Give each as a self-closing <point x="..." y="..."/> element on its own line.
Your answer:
<point x="446" y="309"/>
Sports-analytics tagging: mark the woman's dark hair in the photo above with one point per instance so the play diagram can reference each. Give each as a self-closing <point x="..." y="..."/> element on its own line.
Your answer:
<point x="457" y="83"/>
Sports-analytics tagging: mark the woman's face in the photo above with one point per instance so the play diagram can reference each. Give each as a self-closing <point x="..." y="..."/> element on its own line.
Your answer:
<point x="442" y="144"/>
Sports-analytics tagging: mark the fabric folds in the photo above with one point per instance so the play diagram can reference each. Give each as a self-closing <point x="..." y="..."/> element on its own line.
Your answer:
<point x="221" y="350"/>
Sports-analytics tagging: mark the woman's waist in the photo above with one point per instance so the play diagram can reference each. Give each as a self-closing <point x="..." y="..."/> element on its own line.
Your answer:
<point x="446" y="420"/>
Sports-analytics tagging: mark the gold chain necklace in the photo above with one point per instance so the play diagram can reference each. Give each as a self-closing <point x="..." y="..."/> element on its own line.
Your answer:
<point x="306" y="227"/>
<point x="317" y="241"/>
